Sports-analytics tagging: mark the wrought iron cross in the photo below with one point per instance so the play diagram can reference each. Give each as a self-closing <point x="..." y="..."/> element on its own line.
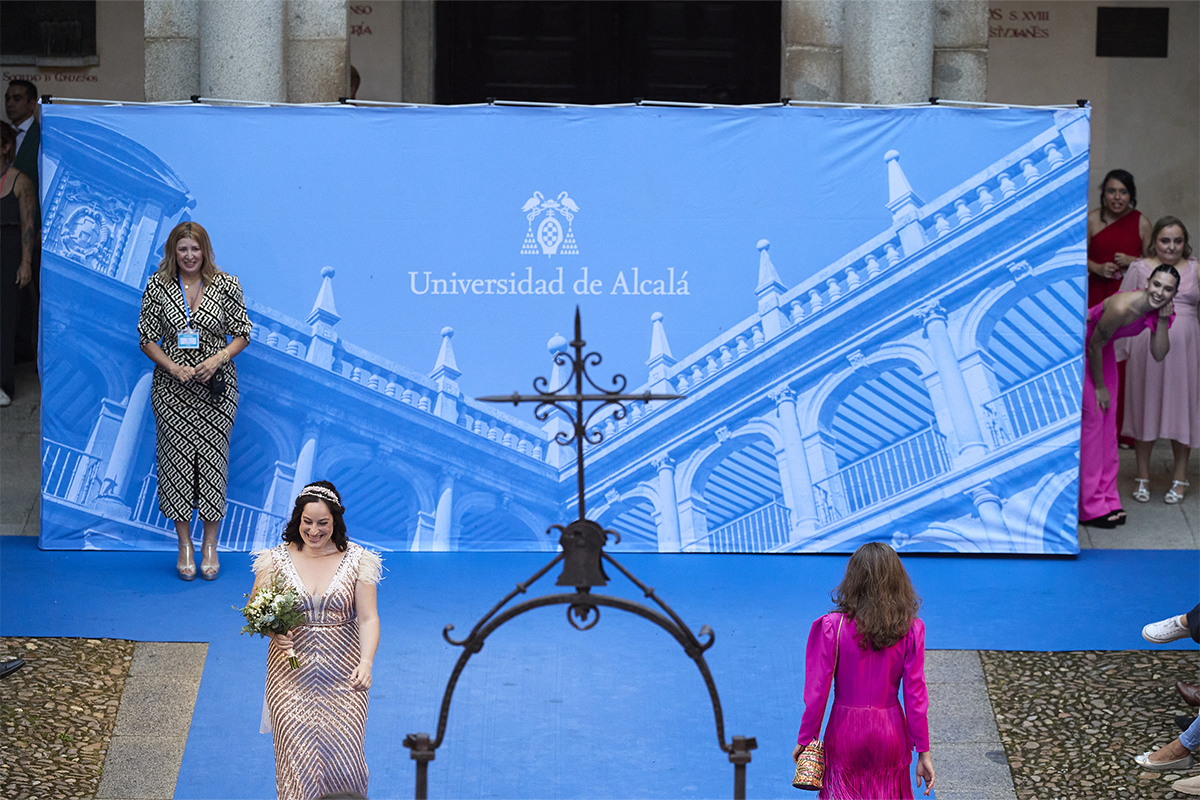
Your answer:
<point x="549" y="400"/>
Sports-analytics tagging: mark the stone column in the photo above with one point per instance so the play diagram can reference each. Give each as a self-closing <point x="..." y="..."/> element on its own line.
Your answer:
<point x="116" y="477"/>
<point x="999" y="540"/>
<point x="444" y="512"/>
<point x="171" y="49"/>
<point x="812" y="50"/>
<point x="804" y="508"/>
<point x="317" y="51"/>
<point x="962" y="410"/>
<point x="960" y="49"/>
<point x="668" y="506"/>
<point x="242" y="50"/>
<point x="418" y="35"/>
<point x="305" y="461"/>
<point x="887" y="52"/>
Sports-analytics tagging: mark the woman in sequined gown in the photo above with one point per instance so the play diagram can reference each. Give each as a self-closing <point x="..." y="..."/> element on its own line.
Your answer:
<point x="318" y="712"/>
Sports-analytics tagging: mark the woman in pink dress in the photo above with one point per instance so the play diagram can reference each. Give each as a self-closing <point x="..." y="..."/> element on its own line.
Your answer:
<point x="878" y="643"/>
<point x="1123" y="315"/>
<point x="1163" y="400"/>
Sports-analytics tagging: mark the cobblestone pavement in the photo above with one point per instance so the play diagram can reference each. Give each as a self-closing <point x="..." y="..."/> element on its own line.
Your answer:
<point x="57" y="715"/>
<point x="1071" y="723"/>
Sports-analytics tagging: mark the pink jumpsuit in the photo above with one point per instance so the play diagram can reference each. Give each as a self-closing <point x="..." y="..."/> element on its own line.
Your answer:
<point x="1098" y="460"/>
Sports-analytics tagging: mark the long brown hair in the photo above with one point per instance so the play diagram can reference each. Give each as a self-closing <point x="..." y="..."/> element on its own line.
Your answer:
<point x="168" y="270"/>
<point x="1166" y="222"/>
<point x="877" y="594"/>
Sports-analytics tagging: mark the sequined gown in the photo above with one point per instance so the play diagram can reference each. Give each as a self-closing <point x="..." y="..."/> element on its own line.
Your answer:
<point x="318" y="721"/>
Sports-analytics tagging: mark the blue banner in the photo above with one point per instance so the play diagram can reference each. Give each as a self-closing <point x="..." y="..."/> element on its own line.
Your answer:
<point x="875" y="316"/>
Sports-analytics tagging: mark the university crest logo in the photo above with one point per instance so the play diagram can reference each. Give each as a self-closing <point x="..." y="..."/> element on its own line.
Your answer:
<point x="550" y="238"/>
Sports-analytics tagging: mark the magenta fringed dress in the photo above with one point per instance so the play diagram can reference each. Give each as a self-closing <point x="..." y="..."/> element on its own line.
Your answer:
<point x="1098" y="458"/>
<point x="869" y="739"/>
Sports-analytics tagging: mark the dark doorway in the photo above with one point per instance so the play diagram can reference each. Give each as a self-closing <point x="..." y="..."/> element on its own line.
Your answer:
<point x="608" y="52"/>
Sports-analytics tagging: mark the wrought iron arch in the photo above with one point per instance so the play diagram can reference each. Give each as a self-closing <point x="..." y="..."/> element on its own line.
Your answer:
<point x="583" y="560"/>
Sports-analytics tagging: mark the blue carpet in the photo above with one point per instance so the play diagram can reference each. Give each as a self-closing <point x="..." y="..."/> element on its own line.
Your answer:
<point x="544" y="711"/>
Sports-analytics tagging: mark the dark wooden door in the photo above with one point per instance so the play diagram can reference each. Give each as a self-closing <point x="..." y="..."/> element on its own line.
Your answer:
<point x="608" y="52"/>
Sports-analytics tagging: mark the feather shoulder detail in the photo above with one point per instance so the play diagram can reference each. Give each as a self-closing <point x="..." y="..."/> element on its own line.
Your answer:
<point x="264" y="562"/>
<point x="370" y="566"/>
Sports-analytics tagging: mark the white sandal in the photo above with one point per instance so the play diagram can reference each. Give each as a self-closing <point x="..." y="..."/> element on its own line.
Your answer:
<point x="1174" y="496"/>
<point x="1141" y="490"/>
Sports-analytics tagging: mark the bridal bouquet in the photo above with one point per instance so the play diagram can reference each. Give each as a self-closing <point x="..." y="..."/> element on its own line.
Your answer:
<point x="274" y="608"/>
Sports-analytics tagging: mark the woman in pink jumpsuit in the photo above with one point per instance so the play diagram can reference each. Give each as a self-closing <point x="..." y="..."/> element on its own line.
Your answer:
<point x="1124" y="314"/>
<point x="869" y="738"/>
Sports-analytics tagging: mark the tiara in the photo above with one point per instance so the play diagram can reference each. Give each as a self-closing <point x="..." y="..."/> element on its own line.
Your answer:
<point x="315" y="490"/>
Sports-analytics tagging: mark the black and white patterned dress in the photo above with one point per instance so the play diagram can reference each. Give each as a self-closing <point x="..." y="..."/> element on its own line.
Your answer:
<point x="192" y="426"/>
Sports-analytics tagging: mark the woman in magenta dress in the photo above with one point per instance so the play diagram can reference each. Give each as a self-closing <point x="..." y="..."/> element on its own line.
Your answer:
<point x="1122" y="315"/>
<point x="1164" y="399"/>
<point x="1117" y="235"/>
<point x="881" y="644"/>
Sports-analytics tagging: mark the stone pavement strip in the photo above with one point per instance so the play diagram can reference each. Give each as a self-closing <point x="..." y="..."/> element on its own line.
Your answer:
<point x="152" y="726"/>
<point x="968" y="759"/>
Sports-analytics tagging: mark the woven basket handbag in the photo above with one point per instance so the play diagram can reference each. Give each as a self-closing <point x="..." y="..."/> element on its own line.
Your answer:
<point x="810" y="766"/>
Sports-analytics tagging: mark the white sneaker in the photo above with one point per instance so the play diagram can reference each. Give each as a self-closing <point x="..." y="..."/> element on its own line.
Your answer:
<point x="5" y="400"/>
<point x="1165" y="631"/>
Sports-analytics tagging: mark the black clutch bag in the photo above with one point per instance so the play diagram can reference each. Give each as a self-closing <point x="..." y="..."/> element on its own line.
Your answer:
<point x="216" y="385"/>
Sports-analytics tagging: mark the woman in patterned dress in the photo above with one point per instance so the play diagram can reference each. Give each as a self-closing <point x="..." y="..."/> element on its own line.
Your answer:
<point x="188" y="309"/>
<point x="318" y="712"/>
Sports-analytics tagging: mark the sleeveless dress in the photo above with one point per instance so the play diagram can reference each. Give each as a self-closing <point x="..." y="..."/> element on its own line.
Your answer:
<point x="192" y="427"/>
<point x="10" y="262"/>
<point x="1121" y="236"/>
<point x="1163" y="400"/>
<point x="869" y="738"/>
<point x="319" y="722"/>
<point x="1098" y="459"/>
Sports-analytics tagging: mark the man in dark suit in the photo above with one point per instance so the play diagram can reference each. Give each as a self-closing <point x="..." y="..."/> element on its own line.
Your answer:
<point x="20" y="106"/>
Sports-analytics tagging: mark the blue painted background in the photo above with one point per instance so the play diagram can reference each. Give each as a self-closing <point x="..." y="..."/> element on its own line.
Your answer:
<point x="824" y="282"/>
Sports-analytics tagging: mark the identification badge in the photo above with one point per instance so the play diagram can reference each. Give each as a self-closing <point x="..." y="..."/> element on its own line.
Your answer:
<point x="188" y="340"/>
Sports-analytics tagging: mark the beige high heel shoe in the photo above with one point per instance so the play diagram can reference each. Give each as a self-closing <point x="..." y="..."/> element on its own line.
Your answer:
<point x="185" y="564"/>
<point x="1174" y="496"/>
<point x="209" y="571"/>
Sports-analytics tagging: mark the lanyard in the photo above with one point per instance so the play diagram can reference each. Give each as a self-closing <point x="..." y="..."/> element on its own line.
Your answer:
<point x="187" y="310"/>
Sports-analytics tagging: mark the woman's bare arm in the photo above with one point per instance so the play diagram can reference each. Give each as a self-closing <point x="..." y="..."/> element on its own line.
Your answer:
<point x="1160" y="340"/>
<point x="26" y="194"/>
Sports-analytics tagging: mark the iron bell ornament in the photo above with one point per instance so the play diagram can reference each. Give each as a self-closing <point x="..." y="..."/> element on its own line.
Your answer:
<point x="582" y="543"/>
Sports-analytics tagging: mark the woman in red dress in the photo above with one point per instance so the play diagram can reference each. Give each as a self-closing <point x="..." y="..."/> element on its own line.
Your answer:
<point x="1117" y="235"/>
